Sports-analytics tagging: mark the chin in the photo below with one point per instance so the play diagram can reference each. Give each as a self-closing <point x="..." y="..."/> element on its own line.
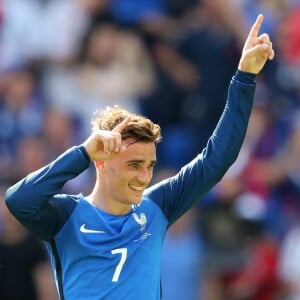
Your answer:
<point x="136" y="200"/>
<point x="135" y="197"/>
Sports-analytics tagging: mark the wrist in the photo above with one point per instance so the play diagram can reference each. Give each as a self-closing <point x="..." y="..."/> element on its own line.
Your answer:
<point x="245" y="77"/>
<point x="84" y="151"/>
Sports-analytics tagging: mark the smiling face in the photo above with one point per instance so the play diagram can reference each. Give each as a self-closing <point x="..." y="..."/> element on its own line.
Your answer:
<point x="124" y="177"/>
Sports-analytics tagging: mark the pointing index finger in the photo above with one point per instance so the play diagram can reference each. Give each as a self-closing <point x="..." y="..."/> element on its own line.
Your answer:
<point x="256" y="27"/>
<point x="120" y="127"/>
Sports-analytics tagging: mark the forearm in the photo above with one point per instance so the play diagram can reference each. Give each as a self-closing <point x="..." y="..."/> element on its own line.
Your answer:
<point x="225" y="143"/>
<point x="29" y="197"/>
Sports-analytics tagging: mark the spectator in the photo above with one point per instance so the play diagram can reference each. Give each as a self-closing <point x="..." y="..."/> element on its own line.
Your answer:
<point x="35" y="25"/>
<point x="114" y="68"/>
<point x="289" y="264"/>
<point x="182" y="269"/>
<point x="21" y="112"/>
<point x="25" y="272"/>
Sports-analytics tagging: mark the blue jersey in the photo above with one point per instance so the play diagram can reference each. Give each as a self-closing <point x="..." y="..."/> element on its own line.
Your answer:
<point x="96" y="255"/>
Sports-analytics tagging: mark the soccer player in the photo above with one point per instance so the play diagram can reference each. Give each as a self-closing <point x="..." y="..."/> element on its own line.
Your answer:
<point x="107" y="245"/>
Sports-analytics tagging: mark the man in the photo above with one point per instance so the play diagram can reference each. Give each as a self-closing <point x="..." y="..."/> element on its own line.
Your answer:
<point x="107" y="245"/>
<point x="25" y="271"/>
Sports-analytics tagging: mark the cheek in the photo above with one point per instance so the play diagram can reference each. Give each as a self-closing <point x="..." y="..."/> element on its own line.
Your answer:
<point x="117" y="176"/>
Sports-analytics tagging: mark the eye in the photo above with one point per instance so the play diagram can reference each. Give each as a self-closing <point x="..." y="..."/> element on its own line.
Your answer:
<point x="151" y="166"/>
<point x="133" y="166"/>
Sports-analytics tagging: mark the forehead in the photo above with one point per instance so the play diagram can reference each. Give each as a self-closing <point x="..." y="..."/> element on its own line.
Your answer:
<point x="139" y="150"/>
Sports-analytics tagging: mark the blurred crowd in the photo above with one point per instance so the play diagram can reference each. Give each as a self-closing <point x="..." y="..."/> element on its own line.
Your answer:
<point x="170" y="60"/>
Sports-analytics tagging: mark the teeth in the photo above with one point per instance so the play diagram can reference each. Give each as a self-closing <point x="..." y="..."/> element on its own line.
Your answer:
<point x="138" y="188"/>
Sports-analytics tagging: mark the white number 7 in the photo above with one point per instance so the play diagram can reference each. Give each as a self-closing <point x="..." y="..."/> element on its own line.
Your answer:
<point x="123" y="252"/>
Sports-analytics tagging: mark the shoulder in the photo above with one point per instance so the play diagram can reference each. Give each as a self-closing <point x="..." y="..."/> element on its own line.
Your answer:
<point x="65" y="204"/>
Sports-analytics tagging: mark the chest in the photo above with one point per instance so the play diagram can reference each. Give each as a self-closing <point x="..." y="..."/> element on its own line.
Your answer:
<point x="91" y="233"/>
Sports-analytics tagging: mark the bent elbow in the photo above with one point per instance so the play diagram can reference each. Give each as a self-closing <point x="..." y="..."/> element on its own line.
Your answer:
<point x="14" y="199"/>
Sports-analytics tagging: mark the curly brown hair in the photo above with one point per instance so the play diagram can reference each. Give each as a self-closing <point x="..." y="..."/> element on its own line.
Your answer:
<point x="140" y="128"/>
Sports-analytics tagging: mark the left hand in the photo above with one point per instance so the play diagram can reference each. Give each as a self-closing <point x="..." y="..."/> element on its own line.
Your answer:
<point x="257" y="49"/>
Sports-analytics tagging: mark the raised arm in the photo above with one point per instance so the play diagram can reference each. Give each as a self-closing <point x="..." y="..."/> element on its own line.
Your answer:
<point x="179" y="193"/>
<point x="30" y="199"/>
<point x="35" y="200"/>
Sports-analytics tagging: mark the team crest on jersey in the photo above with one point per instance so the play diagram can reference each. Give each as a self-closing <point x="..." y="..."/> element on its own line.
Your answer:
<point x="141" y="219"/>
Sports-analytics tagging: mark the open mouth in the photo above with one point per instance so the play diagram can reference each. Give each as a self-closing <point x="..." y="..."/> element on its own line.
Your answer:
<point x="137" y="188"/>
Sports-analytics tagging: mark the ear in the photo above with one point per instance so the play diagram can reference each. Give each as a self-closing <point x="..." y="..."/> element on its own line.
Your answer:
<point x="99" y="163"/>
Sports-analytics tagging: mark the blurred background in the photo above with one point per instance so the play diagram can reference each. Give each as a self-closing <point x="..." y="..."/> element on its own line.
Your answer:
<point x="170" y="60"/>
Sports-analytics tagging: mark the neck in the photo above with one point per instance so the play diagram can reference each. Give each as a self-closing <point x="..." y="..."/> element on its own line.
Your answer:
<point x="98" y="199"/>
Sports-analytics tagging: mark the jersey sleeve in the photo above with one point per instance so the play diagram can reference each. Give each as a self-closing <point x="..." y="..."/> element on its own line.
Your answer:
<point x="177" y="194"/>
<point x="35" y="200"/>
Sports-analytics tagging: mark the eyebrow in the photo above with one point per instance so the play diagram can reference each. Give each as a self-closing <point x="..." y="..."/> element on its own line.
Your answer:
<point x="131" y="143"/>
<point x="142" y="161"/>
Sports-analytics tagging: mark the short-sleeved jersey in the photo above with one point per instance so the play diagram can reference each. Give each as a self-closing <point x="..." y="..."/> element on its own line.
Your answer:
<point x="96" y="255"/>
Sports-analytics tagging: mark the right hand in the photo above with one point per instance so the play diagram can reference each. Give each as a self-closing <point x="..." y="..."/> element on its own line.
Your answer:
<point x="102" y="144"/>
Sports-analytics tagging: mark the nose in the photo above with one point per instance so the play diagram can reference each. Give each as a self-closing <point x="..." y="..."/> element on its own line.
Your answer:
<point x="145" y="176"/>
